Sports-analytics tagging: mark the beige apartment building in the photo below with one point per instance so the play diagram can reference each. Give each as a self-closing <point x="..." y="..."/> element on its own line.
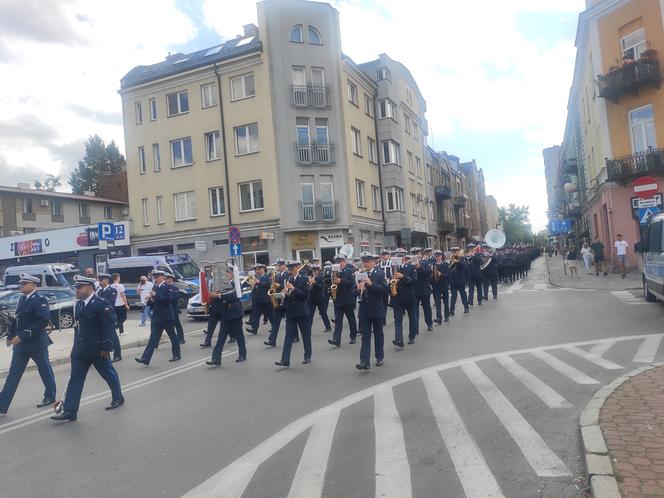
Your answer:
<point x="279" y="133"/>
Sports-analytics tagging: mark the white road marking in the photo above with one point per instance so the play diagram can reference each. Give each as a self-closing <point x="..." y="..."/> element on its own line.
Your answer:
<point x="392" y="468"/>
<point x="540" y="457"/>
<point x="601" y="348"/>
<point x="647" y="350"/>
<point x="540" y="286"/>
<point x="516" y="286"/>
<point x="310" y="474"/>
<point x="547" y="394"/>
<point x="628" y="298"/>
<point x="475" y="475"/>
<point x="593" y="358"/>
<point x="567" y="370"/>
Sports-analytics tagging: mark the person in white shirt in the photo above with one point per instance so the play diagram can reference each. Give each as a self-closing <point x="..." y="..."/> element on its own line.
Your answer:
<point x="143" y="290"/>
<point x="621" y="253"/>
<point x="121" y="304"/>
<point x="587" y="254"/>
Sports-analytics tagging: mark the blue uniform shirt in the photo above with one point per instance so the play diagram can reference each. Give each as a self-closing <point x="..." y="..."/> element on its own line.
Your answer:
<point x="94" y="329"/>
<point x="32" y="317"/>
<point x="372" y="305"/>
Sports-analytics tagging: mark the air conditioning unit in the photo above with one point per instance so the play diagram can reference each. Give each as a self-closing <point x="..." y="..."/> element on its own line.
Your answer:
<point x="125" y="211"/>
<point x="14" y="233"/>
<point x="43" y="202"/>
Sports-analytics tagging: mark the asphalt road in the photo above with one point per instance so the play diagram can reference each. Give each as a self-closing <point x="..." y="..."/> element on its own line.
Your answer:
<point x="447" y="416"/>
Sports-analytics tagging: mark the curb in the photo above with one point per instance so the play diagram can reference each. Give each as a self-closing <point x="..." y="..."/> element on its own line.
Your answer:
<point x="602" y="480"/>
<point x="552" y="283"/>
<point x="63" y="360"/>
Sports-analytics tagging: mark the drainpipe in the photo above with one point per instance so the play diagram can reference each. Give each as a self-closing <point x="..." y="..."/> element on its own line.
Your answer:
<point x="380" y="170"/>
<point x="223" y="141"/>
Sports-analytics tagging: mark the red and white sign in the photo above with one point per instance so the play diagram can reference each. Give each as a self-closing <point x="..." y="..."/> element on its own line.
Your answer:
<point x="645" y="187"/>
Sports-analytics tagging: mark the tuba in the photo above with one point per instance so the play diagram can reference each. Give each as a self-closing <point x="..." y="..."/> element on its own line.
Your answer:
<point x="346" y="250"/>
<point x="495" y="239"/>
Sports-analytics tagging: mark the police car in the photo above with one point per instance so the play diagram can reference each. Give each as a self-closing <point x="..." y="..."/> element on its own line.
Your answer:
<point x="652" y="253"/>
<point x="61" y="302"/>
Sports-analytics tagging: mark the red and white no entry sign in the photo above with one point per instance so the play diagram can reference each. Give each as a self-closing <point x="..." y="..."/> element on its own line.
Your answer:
<point x="645" y="187"/>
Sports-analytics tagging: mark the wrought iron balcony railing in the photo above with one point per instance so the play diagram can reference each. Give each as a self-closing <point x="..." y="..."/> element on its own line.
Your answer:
<point x="462" y="231"/>
<point x="443" y="192"/>
<point x="459" y="202"/>
<point x="318" y="212"/>
<point x="446" y="226"/>
<point x="626" y="168"/>
<point x="310" y="96"/>
<point x="314" y="153"/>
<point x="629" y="79"/>
<point x="570" y="166"/>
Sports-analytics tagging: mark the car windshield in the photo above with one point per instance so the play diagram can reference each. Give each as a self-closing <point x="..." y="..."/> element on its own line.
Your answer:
<point x="186" y="270"/>
<point x="9" y="299"/>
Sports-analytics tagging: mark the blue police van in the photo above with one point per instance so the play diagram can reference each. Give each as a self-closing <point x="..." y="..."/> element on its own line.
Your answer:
<point x="652" y="254"/>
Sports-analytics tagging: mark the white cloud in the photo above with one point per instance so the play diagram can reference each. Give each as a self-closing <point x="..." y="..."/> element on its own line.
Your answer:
<point x="529" y="190"/>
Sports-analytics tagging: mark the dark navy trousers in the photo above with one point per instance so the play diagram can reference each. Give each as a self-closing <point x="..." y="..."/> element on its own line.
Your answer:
<point x="322" y="311"/>
<point x="16" y="369"/>
<point x="425" y="302"/>
<point x="349" y="313"/>
<point x="258" y="310"/>
<point x="475" y="283"/>
<point x="156" y="329"/>
<point x="411" y="309"/>
<point x="277" y="316"/>
<point x="441" y="300"/>
<point x="292" y="326"/>
<point x="369" y="326"/>
<point x="79" y="371"/>
<point x="231" y="328"/>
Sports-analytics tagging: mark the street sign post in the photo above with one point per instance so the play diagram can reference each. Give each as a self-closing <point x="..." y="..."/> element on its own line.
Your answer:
<point x="234" y="240"/>
<point x="645" y="187"/>
<point x="646" y="214"/>
<point x="236" y="250"/>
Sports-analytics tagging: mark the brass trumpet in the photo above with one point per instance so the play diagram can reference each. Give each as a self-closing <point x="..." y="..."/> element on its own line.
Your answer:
<point x="393" y="287"/>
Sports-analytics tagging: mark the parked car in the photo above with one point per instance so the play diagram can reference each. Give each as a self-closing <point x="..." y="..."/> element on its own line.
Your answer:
<point x="61" y="302"/>
<point x="196" y="310"/>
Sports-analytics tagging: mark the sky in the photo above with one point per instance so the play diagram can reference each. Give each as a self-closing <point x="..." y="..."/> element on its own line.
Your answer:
<point x="495" y="75"/>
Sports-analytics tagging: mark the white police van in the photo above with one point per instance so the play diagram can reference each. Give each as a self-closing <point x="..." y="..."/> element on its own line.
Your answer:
<point x="652" y="253"/>
<point x="50" y="274"/>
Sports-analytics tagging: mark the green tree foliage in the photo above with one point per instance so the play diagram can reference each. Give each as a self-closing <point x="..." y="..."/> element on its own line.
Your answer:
<point x="516" y="224"/>
<point x="99" y="160"/>
<point x="50" y="183"/>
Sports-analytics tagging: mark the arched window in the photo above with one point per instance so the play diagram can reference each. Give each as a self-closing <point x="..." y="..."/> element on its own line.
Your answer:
<point x="314" y="36"/>
<point x="296" y="34"/>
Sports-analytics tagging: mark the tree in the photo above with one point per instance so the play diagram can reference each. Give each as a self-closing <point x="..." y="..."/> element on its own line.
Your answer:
<point x="99" y="160"/>
<point x="516" y="224"/>
<point x="50" y="183"/>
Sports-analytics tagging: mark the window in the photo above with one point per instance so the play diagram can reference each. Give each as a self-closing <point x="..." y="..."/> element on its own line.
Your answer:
<point x="391" y="152"/>
<point x="322" y="132"/>
<point x="308" y="204"/>
<point x="141" y="160"/>
<point x="408" y="125"/>
<point x="352" y="93"/>
<point x="409" y="96"/>
<point x="418" y="167"/>
<point x="217" y="202"/>
<point x="251" y="196"/>
<point x="146" y="212"/>
<point x="355" y="140"/>
<point x="33" y="230"/>
<point x="296" y="34"/>
<point x="387" y="109"/>
<point x="634" y="44"/>
<point x="108" y="212"/>
<point x="371" y="147"/>
<point x="359" y="193"/>
<point x="156" y="158"/>
<point x="642" y="124"/>
<point x="56" y="208"/>
<point x="375" y="198"/>
<point x="314" y="36"/>
<point x="394" y="196"/>
<point x="302" y="131"/>
<point x="212" y="146"/>
<point x="27" y="205"/>
<point x="655" y="237"/>
<point x="138" y="107"/>
<point x="299" y="76"/>
<point x="185" y="205"/>
<point x="242" y="87"/>
<point x="383" y="74"/>
<point x="160" y="209"/>
<point x="416" y="132"/>
<point x="413" y="204"/>
<point x="326" y="190"/>
<point x="429" y="174"/>
<point x="368" y="106"/>
<point x="83" y="210"/>
<point x="153" y="109"/>
<point x="208" y="95"/>
<point x="246" y="139"/>
<point x="181" y="153"/>
<point x="318" y="76"/>
<point x="178" y="103"/>
<point x="411" y="165"/>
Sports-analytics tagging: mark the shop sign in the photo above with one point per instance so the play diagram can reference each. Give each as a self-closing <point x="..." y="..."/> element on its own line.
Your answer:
<point x="331" y="238"/>
<point x="303" y="240"/>
<point x="266" y="235"/>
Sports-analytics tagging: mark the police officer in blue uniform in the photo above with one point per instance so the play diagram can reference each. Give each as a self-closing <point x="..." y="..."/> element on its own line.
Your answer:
<point x="93" y="343"/>
<point x="475" y="275"/>
<point x="458" y="269"/>
<point x="372" y="313"/>
<point x="170" y="280"/>
<point x="440" y="284"/>
<point x="423" y="285"/>
<point x="231" y="324"/>
<point x="297" y="314"/>
<point x="405" y="301"/>
<point x="30" y="341"/>
<point x="161" y="302"/>
<point x="110" y="294"/>
<point x="385" y="265"/>
<point x="279" y="312"/>
<point x="490" y="274"/>
<point x="345" y="301"/>
<point x="319" y="298"/>
<point x="214" y="308"/>
<point x="261" y="303"/>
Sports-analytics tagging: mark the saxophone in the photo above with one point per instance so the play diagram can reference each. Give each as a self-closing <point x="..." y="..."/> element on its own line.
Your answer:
<point x="272" y="292"/>
<point x="333" y="287"/>
<point x="436" y="272"/>
<point x="393" y="287"/>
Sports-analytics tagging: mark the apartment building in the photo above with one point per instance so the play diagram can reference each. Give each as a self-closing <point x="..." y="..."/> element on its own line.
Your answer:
<point x="615" y="120"/>
<point x="492" y="217"/>
<point x="279" y="133"/>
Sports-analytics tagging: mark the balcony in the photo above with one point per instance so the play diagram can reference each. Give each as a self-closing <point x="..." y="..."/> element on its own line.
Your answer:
<point x="308" y="154"/>
<point x="443" y="192"/>
<point x="445" y="226"/>
<point x="310" y="96"/>
<point x="318" y="212"/>
<point x="570" y="166"/>
<point x="629" y="78"/>
<point x="626" y="168"/>
<point x="462" y="232"/>
<point x="459" y="202"/>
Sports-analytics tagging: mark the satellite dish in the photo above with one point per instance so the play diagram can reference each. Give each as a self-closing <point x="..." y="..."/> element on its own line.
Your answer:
<point x="495" y="238"/>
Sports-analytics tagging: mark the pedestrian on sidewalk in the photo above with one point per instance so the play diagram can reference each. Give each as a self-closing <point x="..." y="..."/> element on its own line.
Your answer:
<point x="587" y="255"/>
<point x="570" y="259"/>
<point x="598" y="251"/>
<point x="121" y="304"/>
<point x="143" y="290"/>
<point x="621" y="253"/>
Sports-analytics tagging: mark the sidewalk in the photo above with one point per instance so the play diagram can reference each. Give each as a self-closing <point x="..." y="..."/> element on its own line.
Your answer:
<point x="612" y="282"/>
<point x="632" y="422"/>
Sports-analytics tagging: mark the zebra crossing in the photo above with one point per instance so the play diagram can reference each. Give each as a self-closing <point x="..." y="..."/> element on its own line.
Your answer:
<point x="629" y="298"/>
<point x="556" y="381"/>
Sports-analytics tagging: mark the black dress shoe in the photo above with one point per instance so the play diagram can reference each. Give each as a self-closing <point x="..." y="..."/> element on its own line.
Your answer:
<point x="327" y="330"/>
<point x="231" y="340"/>
<point x="429" y="328"/>
<point x="177" y="358"/>
<point x="45" y="402"/>
<point x="362" y="366"/>
<point x="353" y="341"/>
<point x="247" y="323"/>
<point x="398" y="343"/>
<point x="213" y="363"/>
<point x="306" y="361"/>
<point x="265" y="322"/>
<point x="281" y="364"/>
<point x="240" y="359"/>
<point x="182" y="341"/>
<point x="479" y="303"/>
<point x="333" y="343"/>
<point x="141" y="361"/>
<point x="3" y="411"/>
<point x="379" y="363"/>
<point x="116" y="359"/>
<point x="438" y="321"/>
<point x="411" y="341"/>
<point x="115" y="404"/>
<point x="252" y="331"/>
<point x="206" y="346"/>
<point x="446" y="320"/>
<point x="467" y="310"/>
<point x="269" y="343"/>
<point x="64" y="416"/>
<point x="297" y="339"/>
<point x="451" y="313"/>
